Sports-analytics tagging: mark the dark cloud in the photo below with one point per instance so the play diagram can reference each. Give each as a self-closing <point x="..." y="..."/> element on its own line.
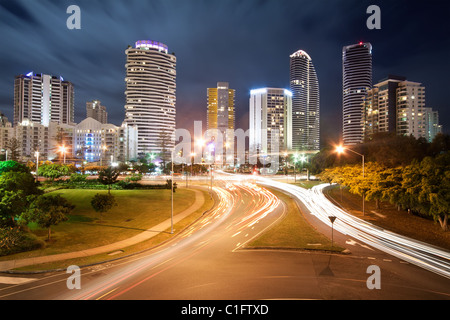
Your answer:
<point x="244" y="42"/>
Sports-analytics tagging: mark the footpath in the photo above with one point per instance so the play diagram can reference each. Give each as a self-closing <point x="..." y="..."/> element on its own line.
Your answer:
<point x="145" y="235"/>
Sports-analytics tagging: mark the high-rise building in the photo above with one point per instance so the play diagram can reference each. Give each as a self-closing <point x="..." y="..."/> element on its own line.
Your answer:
<point x="270" y="114"/>
<point x="6" y="132"/>
<point x="357" y="80"/>
<point x="411" y="118"/>
<point x="432" y="124"/>
<point x="95" y="110"/>
<point x="304" y="86"/>
<point x="150" y="95"/>
<point x="380" y="106"/>
<point x="42" y="98"/>
<point x="220" y="115"/>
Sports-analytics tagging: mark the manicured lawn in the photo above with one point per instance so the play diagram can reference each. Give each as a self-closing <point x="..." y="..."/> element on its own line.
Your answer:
<point x="307" y="184"/>
<point x="137" y="210"/>
<point x="293" y="232"/>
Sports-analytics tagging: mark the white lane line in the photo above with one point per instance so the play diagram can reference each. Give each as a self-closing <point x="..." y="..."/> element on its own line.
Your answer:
<point x="15" y="280"/>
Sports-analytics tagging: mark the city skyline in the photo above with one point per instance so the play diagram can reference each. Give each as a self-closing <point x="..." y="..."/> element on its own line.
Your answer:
<point x="93" y="58"/>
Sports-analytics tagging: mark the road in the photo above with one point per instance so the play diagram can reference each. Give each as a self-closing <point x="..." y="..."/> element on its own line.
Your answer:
<point x="208" y="261"/>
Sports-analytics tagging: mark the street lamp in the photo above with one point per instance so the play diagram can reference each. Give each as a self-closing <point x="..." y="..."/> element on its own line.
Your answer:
<point x="101" y="155"/>
<point x="341" y="149"/>
<point x="295" y="161"/>
<point x="37" y="164"/>
<point x="63" y="149"/>
<point x="171" y="197"/>
<point x="192" y="162"/>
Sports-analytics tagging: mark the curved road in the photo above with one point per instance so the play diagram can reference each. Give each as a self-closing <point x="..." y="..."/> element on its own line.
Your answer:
<point x="206" y="261"/>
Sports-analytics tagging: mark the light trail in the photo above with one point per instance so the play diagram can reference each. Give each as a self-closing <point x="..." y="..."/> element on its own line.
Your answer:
<point x="424" y="255"/>
<point x="228" y="197"/>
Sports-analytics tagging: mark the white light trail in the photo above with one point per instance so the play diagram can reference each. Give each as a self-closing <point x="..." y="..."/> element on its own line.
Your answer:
<point x="416" y="252"/>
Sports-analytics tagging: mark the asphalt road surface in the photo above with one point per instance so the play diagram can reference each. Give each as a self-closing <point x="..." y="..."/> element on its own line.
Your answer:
<point x="208" y="261"/>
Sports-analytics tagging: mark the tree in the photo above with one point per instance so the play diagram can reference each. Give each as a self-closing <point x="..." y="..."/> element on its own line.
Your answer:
<point x="108" y="176"/>
<point x="103" y="203"/>
<point x="55" y="170"/>
<point x="434" y="193"/>
<point x="13" y="145"/>
<point x="48" y="211"/>
<point x="11" y="165"/>
<point x="165" y="138"/>
<point x="15" y="189"/>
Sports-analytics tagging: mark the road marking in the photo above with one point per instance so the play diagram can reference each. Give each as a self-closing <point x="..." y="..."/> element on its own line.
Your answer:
<point x="106" y="294"/>
<point x="353" y="243"/>
<point x="15" y="280"/>
<point x="235" y="234"/>
<point x="371" y="258"/>
<point x="387" y="260"/>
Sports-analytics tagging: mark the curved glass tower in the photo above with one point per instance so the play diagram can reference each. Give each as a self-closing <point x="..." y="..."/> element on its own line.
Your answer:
<point x="305" y="102"/>
<point x="150" y="95"/>
<point x="357" y="80"/>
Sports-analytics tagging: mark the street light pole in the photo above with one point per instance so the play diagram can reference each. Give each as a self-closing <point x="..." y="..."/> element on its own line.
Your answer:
<point x="37" y="164"/>
<point x="171" y="198"/>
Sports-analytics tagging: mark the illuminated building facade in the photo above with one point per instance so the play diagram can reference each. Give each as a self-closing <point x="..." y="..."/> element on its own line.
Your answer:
<point x="357" y="80"/>
<point x="270" y="119"/>
<point x="42" y="98"/>
<point x="150" y="95"/>
<point x="304" y="86"/>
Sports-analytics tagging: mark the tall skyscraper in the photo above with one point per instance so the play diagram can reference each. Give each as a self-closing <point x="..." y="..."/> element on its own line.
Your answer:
<point x="305" y="102"/>
<point x="357" y="79"/>
<point x="432" y="124"/>
<point x="411" y="111"/>
<point x="270" y="112"/>
<point x="220" y="114"/>
<point x="43" y="99"/>
<point x="220" y="107"/>
<point x="95" y="110"/>
<point x="398" y="105"/>
<point x="150" y="95"/>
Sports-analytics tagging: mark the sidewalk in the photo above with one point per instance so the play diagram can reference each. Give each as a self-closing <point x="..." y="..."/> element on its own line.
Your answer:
<point x="145" y="235"/>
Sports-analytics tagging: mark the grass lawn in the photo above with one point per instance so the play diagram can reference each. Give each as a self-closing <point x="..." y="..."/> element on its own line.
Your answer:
<point x="306" y="184"/>
<point x="293" y="232"/>
<point x="137" y="210"/>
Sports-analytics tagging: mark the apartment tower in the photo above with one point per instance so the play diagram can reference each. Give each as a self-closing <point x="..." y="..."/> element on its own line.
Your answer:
<point x="150" y="95"/>
<point x="357" y="80"/>
<point x="270" y="120"/>
<point x="305" y="103"/>
<point x="42" y="98"/>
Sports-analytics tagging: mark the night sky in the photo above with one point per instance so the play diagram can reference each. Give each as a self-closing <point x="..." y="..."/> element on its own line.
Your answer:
<point x="244" y="42"/>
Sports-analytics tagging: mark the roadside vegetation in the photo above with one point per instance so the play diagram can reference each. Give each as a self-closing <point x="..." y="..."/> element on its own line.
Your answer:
<point x="411" y="174"/>
<point x="64" y="214"/>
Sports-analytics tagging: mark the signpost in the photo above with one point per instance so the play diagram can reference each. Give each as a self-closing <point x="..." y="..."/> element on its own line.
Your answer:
<point x="332" y="218"/>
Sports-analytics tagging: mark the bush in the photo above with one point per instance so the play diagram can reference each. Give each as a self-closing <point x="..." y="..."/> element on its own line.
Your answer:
<point x="15" y="240"/>
<point x="76" y="177"/>
<point x="11" y="165"/>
